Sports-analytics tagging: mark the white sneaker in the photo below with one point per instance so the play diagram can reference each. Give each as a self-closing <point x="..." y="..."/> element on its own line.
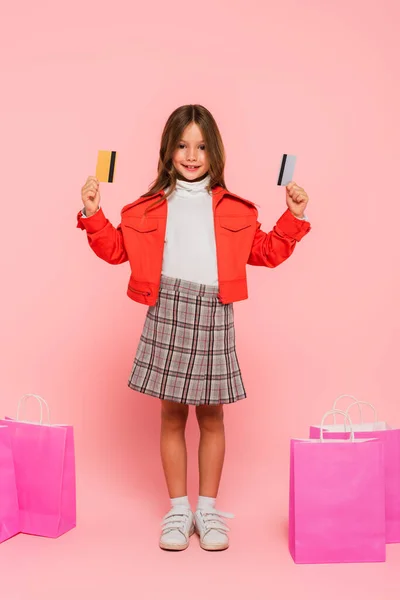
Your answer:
<point x="212" y="529"/>
<point x="177" y="527"/>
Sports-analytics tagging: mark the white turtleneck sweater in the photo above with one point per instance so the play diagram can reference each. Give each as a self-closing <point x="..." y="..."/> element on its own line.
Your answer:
<point x="189" y="250"/>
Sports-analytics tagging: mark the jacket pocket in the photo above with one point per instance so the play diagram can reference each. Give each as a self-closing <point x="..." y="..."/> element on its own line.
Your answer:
<point x="139" y="287"/>
<point x="140" y="292"/>
<point x="142" y="226"/>
<point x="234" y="224"/>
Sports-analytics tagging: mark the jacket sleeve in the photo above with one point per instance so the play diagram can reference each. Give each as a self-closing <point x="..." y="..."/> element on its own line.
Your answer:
<point x="104" y="239"/>
<point x="273" y="248"/>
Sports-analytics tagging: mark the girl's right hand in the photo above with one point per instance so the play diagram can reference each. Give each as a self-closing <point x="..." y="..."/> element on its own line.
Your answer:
<point x="91" y="196"/>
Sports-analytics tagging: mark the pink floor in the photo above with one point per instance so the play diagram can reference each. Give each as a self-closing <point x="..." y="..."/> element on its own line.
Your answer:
<point x="114" y="553"/>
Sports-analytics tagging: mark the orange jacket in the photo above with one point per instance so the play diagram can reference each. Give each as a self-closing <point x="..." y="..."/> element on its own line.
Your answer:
<point x="239" y="241"/>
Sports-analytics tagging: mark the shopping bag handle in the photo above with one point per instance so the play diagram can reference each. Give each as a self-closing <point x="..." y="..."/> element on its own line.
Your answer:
<point x="355" y="401"/>
<point x="336" y="412"/>
<point x="359" y="403"/>
<point x="41" y="401"/>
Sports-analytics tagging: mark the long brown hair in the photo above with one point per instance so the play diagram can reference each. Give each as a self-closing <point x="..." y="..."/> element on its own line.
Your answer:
<point x="173" y="130"/>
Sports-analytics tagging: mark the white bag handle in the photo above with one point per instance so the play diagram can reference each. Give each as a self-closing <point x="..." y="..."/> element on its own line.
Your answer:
<point x="41" y="401"/>
<point x="336" y="412"/>
<point x="355" y="401"/>
<point x="359" y="403"/>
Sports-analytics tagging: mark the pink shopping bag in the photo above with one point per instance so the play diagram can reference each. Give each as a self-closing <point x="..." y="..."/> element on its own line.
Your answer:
<point x="44" y="460"/>
<point x="390" y="439"/>
<point x="337" y="500"/>
<point x="9" y="515"/>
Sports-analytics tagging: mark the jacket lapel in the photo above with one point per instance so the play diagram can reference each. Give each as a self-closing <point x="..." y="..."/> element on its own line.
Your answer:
<point x="219" y="193"/>
<point x="149" y="199"/>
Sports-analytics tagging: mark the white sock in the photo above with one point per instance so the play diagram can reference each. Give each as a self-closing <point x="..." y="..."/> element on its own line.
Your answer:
<point x="205" y="502"/>
<point x="181" y="501"/>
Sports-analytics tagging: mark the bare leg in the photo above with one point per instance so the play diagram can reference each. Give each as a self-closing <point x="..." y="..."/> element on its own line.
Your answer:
<point x="211" y="448"/>
<point x="173" y="446"/>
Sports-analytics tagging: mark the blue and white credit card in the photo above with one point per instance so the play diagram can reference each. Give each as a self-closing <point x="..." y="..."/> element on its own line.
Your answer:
<point x="287" y="169"/>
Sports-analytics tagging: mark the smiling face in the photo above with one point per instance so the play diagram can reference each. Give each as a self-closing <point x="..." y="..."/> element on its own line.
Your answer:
<point x="190" y="159"/>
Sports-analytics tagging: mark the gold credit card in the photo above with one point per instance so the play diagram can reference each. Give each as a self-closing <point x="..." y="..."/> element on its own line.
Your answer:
<point x="105" y="168"/>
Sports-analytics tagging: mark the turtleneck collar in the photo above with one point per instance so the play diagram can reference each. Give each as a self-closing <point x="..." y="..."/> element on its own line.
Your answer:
<point x="193" y="186"/>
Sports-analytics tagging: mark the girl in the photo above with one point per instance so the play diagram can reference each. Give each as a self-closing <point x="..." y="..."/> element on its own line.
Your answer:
<point x="188" y="241"/>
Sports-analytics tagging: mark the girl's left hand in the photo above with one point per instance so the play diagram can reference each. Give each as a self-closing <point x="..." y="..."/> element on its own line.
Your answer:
<point x="296" y="199"/>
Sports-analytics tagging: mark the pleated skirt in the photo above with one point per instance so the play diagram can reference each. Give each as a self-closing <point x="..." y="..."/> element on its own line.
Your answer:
<point x="187" y="351"/>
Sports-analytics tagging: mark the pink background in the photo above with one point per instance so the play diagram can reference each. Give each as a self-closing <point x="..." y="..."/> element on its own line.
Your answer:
<point x="317" y="79"/>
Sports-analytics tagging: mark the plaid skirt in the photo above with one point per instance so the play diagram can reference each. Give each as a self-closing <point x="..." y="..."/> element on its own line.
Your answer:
<point x="186" y="352"/>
